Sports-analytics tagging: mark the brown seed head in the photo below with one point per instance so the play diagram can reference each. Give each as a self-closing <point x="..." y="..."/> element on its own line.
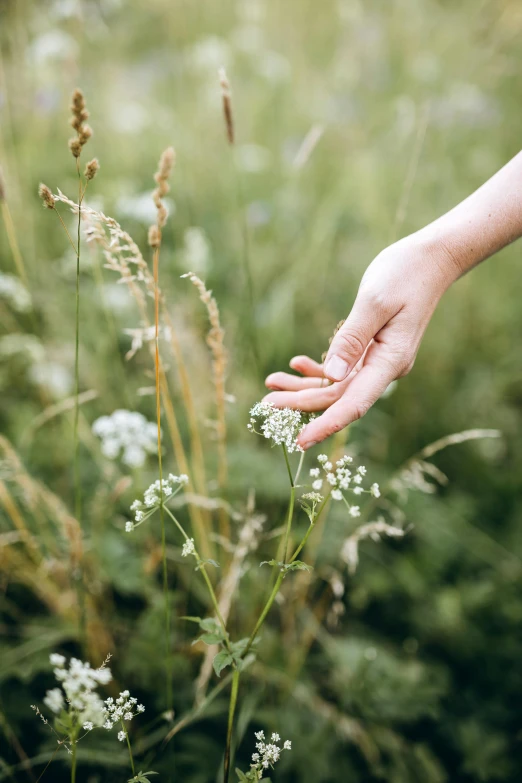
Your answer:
<point x="91" y="169"/>
<point x="154" y="236"/>
<point x="84" y="134"/>
<point x="75" y="146"/>
<point x="47" y="197"/>
<point x="226" y="95"/>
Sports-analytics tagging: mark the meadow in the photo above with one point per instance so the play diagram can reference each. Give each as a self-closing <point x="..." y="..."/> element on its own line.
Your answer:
<point x="390" y="650"/>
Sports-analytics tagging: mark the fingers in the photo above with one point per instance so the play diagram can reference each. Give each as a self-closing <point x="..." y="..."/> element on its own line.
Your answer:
<point x="352" y="339"/>
<point x="361" y="393"/>
<point x="283" y="381"/>
<point x="307" y="366"/>
<point x="311" y="399"/>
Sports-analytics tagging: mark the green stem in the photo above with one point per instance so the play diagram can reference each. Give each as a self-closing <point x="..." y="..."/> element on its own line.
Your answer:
<point x="307" y="534"/>
<point x="265" y="611"/>
<point x="206" y="577"/>
<point x="167" y="606"/>
<point x="231" y="712"/>
<point x="77" y="353"/>
<point x="73" y="763"/>
<point x="129" y="747"/>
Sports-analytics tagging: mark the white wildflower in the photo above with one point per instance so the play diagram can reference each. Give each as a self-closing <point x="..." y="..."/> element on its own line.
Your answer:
<point x="188" y="547"/>
<point x="266" y="754"/>
<point x="281" y="425"/>
<point x="153" y="496"/>
<point x="313" y="496"/>
<point x="362" y="470"/>
<point x="317" y="485"/>
<point x="88" y="725"/>
<point x="337" y="494"/>
<point x="127" y="432"/>
<point x="328" y="466"/>
<point x="315" y="472"/>
<point x="358" y="490"/>
<point x="355" y="511"/>
<point x="374" y="489"/>
<point x="331" y="479"/>
<point x="79" y="683"/>
<point x="14" y="293"/>
<point x="57" y="660"/>
<point x="129" y="526"/>
<point x="121" y="736"/>
<point x="54" y="700"/>
<point x="322" y="458"/>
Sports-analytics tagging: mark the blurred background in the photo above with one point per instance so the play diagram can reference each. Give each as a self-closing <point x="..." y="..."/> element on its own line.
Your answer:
<point x="356" y="123"/>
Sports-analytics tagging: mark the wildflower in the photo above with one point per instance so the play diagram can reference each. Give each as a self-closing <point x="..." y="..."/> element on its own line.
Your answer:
<point x="281" y="425"/>
<point x="314" y="496"/>
<point x="127" y="432"/>
<point x="121" y="736"/>
<point x="188" y="547"/>
<point x="88" y="725"/>
<point x="317" y="485"/>
<point x="362" y="470"/>
<point x="355" y="511"/>
<point x="374" y="489"/>
<point x="343" y="480"/>
<point x="15" y="293"/>
<point x="47" y="197"/>
<point x="337" y="494"/>
<point x="315" y="472"/>
<point x="322" y="458"/>
<point x="119" y="710"/>
<point x="266" y="754"/>
<point x="129" y="526"/>
<point x="79" y="683"/>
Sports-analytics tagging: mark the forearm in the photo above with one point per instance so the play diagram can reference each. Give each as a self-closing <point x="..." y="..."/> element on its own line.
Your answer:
<point x="483" y="223"/>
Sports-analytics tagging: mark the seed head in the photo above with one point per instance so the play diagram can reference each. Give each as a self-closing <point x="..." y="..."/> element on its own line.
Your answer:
<point x="75" y="146"/>
<point x="91" y="169"/>
<point x="154" y="236"/>
<point x="226" y="96"/>
<point x="47" y="197"/>
<point x="78" y="122"/>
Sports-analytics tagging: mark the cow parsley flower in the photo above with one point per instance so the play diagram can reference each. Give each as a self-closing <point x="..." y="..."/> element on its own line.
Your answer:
<point x="117" y="711"/>
<point x="280" y="425"/>
<point x="343" y="480"/>
<point x="153" y="497"/>
<point x="78" y="693"/>
<point x="266" y="754"/>
<point x="188" y="548"/>
<point x="128" y="433"/>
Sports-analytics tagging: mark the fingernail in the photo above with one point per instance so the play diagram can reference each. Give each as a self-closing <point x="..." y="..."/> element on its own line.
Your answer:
<point x="336" y="368"/>
<point x="309" y="445"/>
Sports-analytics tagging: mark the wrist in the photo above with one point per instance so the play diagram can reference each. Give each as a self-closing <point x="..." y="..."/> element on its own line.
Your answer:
<point x="442" y="251"/>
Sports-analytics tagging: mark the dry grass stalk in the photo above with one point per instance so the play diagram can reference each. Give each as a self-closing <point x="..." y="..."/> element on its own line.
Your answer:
<point x="11" y="233"/>
<point x="121" y="253"/>
<point x="215" y="341"/>
<point x="226" y="95"/>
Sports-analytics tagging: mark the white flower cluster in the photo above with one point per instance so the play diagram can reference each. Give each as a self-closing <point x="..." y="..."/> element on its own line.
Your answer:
<point x="267" y="753"/>
<point x="79" y="683"/>
<point x="153" y="497"/>
<point x="128" y="432"/>
<point x="124" y="708"/>
<point x="188" y="548"/>
<point x="15" y="293"/>
<point x="342" y="479"/>
<point x="281" y="425"/>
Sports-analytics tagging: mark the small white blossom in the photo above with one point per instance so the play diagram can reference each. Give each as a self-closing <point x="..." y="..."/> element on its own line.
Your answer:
<point x="317" y="485"/>
<point x="56" y="659"/>
<point x="355" y="511"/>
<point x="357" y="478"/>
<point x="121" y="736"/>
<point x="140" y="708"/>
<point x="337" y="494"/>
<point x="153" y="496"/>
<point x="267" y="754"/>
<point x="129" y="526"/>
<point x="275" y="737"/>
<point x="331" y="479"/>
<point x="362" y="470"/>
<point x="322" y="458"/>
<point x="54" y="700"/>
<point x="313" y="496"/>
<point x="188" y="547"/>
<point x="281" y="425"/>
<point x="315" y="472"/>
<point x="358" y="490"/>
<point x="127" y="432"/>
<point x="287" y="745"/>
<point x="88" y="725"/>
<point x="328" y="466"/>
<point x="374" y="489"/>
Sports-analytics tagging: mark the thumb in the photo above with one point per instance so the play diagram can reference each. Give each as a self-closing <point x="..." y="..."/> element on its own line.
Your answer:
<point x="352" y="339"/>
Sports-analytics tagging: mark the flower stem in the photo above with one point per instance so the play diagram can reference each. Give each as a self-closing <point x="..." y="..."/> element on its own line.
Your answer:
<point x="73" y="763"/>
<point x="231" y="712"/>
<point x="129" y="747"/>
<point x="206" y="577"/>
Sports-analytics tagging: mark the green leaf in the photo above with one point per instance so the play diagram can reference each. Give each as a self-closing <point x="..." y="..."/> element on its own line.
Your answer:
<point x="297" y="565"/>
<point x="270" y="563"/>
<point x="192" y="620"/>
<point x="221" y="661"/>
<point x="210" y="638"/>
<point x="211" y="625"/>
<point x="209" y="561"/>
<point x="241" y="776"/>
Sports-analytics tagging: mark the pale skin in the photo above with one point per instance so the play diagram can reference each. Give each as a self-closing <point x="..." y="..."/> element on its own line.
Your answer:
<point x="397" y="296"/>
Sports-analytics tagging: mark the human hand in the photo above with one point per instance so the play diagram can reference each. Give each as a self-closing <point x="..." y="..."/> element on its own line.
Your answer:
<point x="377" y="343"/>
